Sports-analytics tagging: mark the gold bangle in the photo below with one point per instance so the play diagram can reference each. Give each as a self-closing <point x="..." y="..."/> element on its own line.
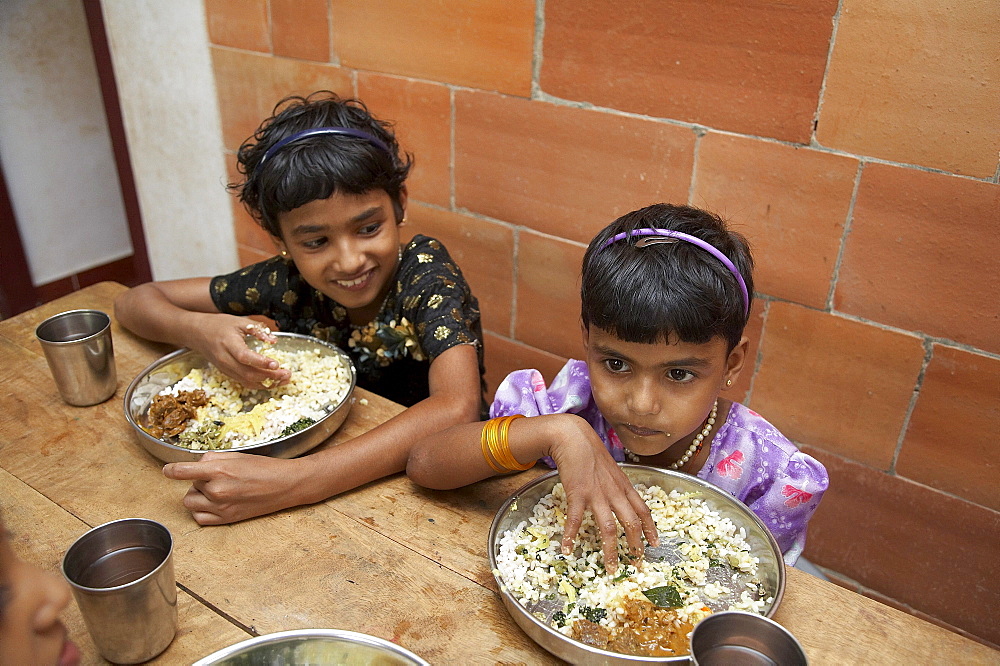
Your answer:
<point x="502" y="445"/>
<point x="485" y="441"/>
<point x="496" y="446"/>
<point x="493" y="443"/>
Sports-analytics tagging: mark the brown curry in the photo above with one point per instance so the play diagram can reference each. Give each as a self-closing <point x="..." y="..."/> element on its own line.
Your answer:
<point x="168" y="414"/>
<point x="645" y="630"/>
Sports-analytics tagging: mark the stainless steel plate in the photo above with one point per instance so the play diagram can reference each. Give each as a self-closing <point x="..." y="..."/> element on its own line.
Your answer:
<point x="313" y="646"/>
<point x="770" y="569"/>
<point x="174" y="366"/>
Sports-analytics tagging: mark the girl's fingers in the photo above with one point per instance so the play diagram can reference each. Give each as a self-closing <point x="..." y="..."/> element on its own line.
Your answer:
<point x="205" y="518"/>
<point x="649" y="527"/>
<point x="256" y="370"/>
<point x="188" y="471"/>
<point x="260" y="331"/>
<point x="608" y="527"/>
<point x="633" y="529"/>
<point x="631" y="521"/>
<point x="246" y="356"/>
<point x="574" y="518"/>
<point x="645" y="517"/>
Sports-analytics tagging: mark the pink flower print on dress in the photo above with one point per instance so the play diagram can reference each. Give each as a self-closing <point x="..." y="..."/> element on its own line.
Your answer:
<point x="537" y="382"/>
<point x="731" y="466"/>
<point x="795" y="496"/>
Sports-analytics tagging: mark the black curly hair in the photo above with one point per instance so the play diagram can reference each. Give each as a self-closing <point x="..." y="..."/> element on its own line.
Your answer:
<point x="316" y="167"/>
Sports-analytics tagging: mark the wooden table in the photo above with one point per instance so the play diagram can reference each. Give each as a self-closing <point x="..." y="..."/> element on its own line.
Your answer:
<point x="388" y="559"/>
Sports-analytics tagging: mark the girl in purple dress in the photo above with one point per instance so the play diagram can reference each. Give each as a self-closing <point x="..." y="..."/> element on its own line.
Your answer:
<point x="666" y="298"/>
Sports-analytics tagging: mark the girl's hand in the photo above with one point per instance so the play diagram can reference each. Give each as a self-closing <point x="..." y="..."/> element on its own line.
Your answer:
<point x="221" y="339"/>
<point x="592" y="479"/>
<point x="227" y="487"/>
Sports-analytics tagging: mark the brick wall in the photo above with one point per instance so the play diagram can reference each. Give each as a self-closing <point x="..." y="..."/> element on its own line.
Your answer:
<point x="854" y="142"/>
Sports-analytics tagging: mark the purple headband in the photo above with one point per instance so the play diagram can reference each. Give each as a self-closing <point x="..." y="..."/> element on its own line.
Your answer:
<point x="344" y="131"/>
<point x="670" y="236"/>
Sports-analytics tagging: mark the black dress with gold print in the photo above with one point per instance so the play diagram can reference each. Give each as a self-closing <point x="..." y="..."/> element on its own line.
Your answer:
<point x="430" y="310"/>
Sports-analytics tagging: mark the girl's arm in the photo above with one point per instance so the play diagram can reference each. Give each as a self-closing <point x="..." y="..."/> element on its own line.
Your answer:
<point x="228" y="487"/>
<point x="182" y="313"/>
<point x="590" y="476"/>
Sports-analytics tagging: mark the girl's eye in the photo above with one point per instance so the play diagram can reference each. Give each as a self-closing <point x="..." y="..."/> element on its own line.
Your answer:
<point x="679" y="375"/>
<point x="370" y="229"/>
<point x="314" y="243"/>
<point x="615" y="365"/>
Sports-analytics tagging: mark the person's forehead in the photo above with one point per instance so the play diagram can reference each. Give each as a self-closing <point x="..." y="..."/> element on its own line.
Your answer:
<point x="337" y="210"/>
<point x="662" y="352"/>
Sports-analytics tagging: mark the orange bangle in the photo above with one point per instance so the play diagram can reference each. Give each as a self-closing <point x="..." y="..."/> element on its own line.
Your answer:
<point x="485" y="441"/>
<point x="496" y="446"/>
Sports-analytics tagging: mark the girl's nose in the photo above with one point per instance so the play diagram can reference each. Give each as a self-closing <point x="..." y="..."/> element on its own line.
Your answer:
<point x="349" y="259"/>
<point x="55" y="594"/>
<point x="642" y="399"/>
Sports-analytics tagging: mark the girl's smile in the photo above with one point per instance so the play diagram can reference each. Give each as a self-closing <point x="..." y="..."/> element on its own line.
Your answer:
<point x="347" y="247"/>
<point x="657" y="396"/>
<point x="358" y="283"/>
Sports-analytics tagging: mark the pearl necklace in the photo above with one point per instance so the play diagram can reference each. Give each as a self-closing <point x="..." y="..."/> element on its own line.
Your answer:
<point x="696" y="444"/>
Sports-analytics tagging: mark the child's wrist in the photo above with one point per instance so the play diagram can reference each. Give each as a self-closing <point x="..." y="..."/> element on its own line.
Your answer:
<point x="559" y="431"/>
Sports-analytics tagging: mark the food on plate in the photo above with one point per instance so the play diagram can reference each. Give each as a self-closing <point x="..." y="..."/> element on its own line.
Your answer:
<point x="169" y="414"/>
<point x="650" y="606"/>
<point x="206" y="410"/>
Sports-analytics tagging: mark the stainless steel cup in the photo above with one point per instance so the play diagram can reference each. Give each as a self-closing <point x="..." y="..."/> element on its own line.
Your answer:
<point x="748" y="639"/>
<point x="78" y="348"/>
<point x="122" y="576"/>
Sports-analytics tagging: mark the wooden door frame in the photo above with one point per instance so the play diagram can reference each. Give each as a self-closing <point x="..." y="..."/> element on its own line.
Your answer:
<point x="17" y="292"/>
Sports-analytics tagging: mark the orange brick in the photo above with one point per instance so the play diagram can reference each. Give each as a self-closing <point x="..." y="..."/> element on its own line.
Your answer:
<point x="916" y="82"/>
<point x="922" y="255"/>
<point x="791" y="203"/>
<point x="504" y="356"/>
<point x="248" y="233"/>
<point x="250" y="85"/>
<point x="251" y="255"/>
<point x="562" y="170"/>
<point x="896" y="536"/>
<point x="486" y="44"/>
<point x="483" y="250"/>
<point x="301" y="29"/>
<point x="837" y="384"/>
<point x="754" y="67"/>
<point x="548" y="294"/>
<point x="951" y="440"/>
<point x="421" y="113"/>
<point x="241" y="24"/>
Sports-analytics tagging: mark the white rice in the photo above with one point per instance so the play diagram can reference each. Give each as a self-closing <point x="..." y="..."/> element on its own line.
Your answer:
<point x="318" y="383"/>
<point x="532" y="567"/>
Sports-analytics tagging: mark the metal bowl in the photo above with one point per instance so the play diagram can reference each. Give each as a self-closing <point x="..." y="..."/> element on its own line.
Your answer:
<point x="770" y="569"/>
<point x="313" y="646"/>
<point x="174" y="366"/>
<point x="733" y="637"/>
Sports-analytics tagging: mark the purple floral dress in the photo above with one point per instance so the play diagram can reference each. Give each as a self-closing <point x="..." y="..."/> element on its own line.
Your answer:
<point x="748" y="457"/>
